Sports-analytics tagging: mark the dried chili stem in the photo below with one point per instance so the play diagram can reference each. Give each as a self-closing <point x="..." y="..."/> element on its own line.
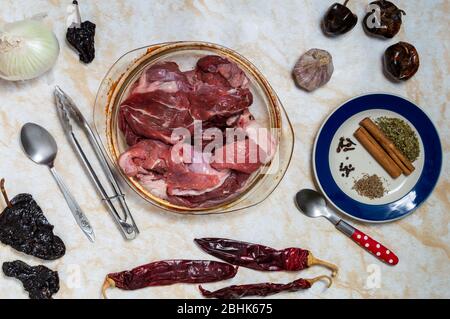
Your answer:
<point x="345" y="3"/>
<point x="315" y="261"/>
<point x="108" y="283"/>
<point x="319" y="278"/>
<point x="78" y="14"/>
<point x="5" y="195"/>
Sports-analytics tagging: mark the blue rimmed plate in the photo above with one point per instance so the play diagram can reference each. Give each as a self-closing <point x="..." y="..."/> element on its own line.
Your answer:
<point x="404" y="194"/>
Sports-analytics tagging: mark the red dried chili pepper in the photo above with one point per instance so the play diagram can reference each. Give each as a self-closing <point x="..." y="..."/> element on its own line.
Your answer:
<point x="168" y="272"/>
<point x="262" y="290"/>
<point x="261" y="257"/>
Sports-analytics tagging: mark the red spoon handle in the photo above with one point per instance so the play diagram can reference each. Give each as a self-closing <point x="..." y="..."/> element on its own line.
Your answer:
<point x="378" y="250"/>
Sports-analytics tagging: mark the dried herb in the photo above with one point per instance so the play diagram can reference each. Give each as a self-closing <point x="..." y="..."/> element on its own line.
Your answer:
<point x="24" y="227"/>
<point x="383" y="149"/>
<point x="402" y="135"/>
<point x="40" y="282"/>
<point x="401" y="61"/>
<point x="338" y="20"/>
<point x="370" y="186"/>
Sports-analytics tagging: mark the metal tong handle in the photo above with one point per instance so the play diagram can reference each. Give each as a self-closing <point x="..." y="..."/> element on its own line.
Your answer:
<point x="124" y="220"/>
<point x="108" y="171"/>
<point x="129" y="231"/>
<point x="78" y="214"/>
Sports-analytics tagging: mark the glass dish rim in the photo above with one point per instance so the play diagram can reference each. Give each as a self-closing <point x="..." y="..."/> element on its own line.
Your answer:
<point x="269" y="93"/>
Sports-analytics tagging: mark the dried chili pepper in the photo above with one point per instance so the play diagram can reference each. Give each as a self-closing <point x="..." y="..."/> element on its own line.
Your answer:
<point x="261" y="257"/>
<point x="168" y="272"/>
<point x="39" y="281"/>
<point x="401" y="61"/>
<point x="338" y="20"/>
<point x="388" y="24"/>
<point x="262" y="289"/>
<point x="81" y="35"/>
<point x="24" y="227"/>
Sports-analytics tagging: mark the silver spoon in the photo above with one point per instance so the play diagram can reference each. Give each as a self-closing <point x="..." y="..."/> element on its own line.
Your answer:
<point x="313" y="204"/>
<point x="41" y="148"/>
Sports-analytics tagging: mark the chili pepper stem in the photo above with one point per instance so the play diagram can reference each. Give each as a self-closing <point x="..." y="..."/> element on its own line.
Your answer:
<point x="78" y="14"/>
<point x="345" y="3"/>
<point x="5" y="195"/>
<point x="316" y="279"/>
<point x="315" y="261"/>
<point x="109" y="283"/>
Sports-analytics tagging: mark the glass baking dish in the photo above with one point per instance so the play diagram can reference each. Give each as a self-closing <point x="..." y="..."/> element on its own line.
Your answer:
<point x="266" y="108"/>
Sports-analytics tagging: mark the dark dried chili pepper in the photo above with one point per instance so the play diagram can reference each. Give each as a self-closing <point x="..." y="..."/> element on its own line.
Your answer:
<point x="39" y="281"/>
<point x="24" y="227"/>
<point x="401" y="61"/>
<point x="385" y="21"/>
<point x="261" y="257"/>
<point x="262" y="289"/>
<point x="81" y="36"/>
<point x="168" y="272"/>
<point x="338" y="20"/>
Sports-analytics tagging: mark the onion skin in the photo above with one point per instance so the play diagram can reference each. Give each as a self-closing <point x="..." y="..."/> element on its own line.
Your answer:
<point x="28" y="49"/>
<point x="314" y="69"/>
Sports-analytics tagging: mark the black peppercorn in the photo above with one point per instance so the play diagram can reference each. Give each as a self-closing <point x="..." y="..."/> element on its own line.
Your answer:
<point x="338" y="20"/>
<point x="401" y="61"/>
<point x="385" y="21"/>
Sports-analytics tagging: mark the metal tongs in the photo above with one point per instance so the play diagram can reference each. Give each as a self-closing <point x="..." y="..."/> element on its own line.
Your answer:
<point x="68" y="111"/>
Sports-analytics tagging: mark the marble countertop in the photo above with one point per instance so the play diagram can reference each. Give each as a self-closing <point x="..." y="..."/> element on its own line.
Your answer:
<point x="272" y="34"/>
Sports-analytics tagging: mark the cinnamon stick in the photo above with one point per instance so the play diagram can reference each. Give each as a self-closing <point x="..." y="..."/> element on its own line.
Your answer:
<point x="400" y="159"/>
<point x="371" y="145"/>
<point x="399" y="163"/>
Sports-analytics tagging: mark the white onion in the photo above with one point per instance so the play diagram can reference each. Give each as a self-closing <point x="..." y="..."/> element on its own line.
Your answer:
<point x="27" y="50"/>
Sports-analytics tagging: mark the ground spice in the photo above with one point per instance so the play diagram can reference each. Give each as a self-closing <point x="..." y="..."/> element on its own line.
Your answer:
<point x="402" y="135"/>
<point x="370" y="186"/>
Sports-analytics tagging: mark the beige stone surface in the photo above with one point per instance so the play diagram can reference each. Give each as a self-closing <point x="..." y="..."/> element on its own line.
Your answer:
<point x="272" y="34"/>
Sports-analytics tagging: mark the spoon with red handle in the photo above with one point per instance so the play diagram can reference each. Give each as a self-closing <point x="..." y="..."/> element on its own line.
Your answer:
<point x="313" y="204"/>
